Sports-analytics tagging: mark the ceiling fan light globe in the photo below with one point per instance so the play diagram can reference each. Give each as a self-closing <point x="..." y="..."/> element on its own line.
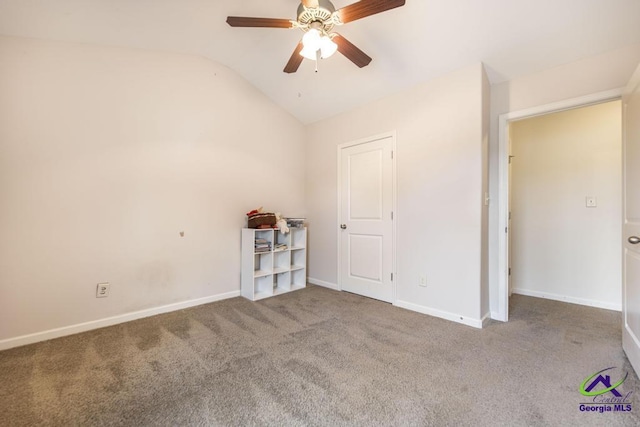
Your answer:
<point x="309" y="53"/>
<point x="327" y="47"/>
<point x="311" y="39"/>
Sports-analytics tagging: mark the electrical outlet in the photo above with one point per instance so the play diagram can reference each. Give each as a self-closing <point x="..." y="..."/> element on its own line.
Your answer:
<point x="102" y="290"/>
<point x="423" y="281"/>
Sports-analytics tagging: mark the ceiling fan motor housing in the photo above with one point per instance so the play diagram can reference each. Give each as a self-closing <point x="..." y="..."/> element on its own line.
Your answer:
<point x="322" y="14"/>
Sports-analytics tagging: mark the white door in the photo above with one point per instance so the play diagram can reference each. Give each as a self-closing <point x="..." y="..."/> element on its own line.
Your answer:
<point x="631" y="223"/>
<point x="366" y="225"/>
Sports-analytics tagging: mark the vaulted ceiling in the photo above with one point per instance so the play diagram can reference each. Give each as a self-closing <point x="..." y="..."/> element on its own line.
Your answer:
<point x="420" y="41"/>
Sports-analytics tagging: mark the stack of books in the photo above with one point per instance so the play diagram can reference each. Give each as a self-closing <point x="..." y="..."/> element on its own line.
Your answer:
<point x="262" y="245"/>
<point x="280" y="247"/>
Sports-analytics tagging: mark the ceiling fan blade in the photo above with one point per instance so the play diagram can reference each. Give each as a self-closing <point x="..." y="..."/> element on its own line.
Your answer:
<point x="295" y="60"/>
<point x="365" y="8"/>
<point x="352" y="53"/>
<point x="310" y="3"/>
<point x="243" y="21"/>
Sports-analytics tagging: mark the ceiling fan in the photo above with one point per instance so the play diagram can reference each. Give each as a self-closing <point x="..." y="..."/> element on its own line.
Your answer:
<point x="317" y="18"/>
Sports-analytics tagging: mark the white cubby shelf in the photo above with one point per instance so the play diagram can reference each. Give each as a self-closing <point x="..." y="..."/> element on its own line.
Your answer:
<point x="278" y="270"/>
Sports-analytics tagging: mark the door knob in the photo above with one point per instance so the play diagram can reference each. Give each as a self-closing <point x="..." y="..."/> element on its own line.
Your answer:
<point x="634" y="240"/>
<point x="343" y="226"/>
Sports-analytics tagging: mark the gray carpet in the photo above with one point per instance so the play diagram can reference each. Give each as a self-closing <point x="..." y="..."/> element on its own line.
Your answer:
<point x="319" y="357"/>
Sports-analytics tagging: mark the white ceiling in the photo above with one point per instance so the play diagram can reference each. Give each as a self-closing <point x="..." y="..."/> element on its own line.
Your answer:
<point x="420" y="41"/>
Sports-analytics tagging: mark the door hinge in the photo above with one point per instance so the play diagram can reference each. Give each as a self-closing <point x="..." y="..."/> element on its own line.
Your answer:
<point x="509" y="271"/>
<point x="510" y="157"/>
<point x="391" y="215"/>
<point x="392" y="154"/>
<point x="505" y="229"/>
<point x="509" y="215"/>
<point x="392" y="277"/>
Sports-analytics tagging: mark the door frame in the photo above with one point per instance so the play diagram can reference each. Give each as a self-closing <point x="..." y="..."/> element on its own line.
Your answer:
<point x="502" y="285"/>
<point x="394" y="203"/>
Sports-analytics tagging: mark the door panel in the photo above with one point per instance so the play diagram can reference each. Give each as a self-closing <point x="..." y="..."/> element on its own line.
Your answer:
<point x="366" y="237"/>
<point x="631" y="221"/>
<point x="365" y="185"/>
<point x="365" y="257"/>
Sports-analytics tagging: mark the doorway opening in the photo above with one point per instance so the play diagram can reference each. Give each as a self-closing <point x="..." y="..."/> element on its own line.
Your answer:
<point x="503" y="229"/>
<point x="566" y="206"/>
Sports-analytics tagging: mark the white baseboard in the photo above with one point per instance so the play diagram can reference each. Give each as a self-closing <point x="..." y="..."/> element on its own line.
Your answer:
<point x="476" y="323"/>
<point x="323" y="283"/>
<point x="109" y="321"/>
<point x="486" y="319"/>
<point x="569" y="299"/>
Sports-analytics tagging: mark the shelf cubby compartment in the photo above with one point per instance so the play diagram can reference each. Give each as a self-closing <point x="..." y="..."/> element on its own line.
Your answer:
<point x="281" y="261"/>
<point x="281" y="239"/>
<point x="282" y="283"/>
<point x="263" y="264"/>
<point x="263" y="287"/>
<point x="298" y="259"/>
<point x="267" y="236"/>
<point x="298" y="238"/>
<point x="298" y="279"/>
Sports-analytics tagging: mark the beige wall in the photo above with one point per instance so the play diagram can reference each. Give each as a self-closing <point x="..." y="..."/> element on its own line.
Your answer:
<point x="439" y="129"/>
<point x="562" y="249"/>
<point x="486" y="113"/>
<point x="105" y="156"/>
<point x="595" y="74"/>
